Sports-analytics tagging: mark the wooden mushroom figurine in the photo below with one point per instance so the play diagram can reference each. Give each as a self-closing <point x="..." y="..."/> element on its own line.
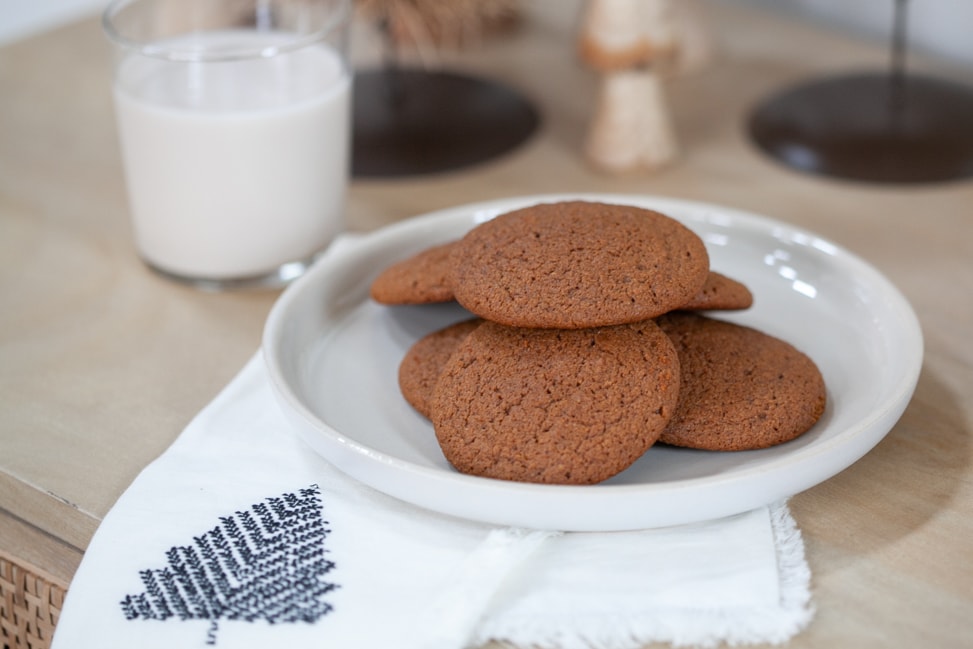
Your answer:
<point x="630" y="43"/>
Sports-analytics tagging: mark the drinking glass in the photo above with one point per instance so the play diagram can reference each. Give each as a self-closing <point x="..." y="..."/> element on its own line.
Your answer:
<point x="234" y="119"/>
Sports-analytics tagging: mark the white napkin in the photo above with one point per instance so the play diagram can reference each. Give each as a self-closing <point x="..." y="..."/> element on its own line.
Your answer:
<point x="241" y="536"/>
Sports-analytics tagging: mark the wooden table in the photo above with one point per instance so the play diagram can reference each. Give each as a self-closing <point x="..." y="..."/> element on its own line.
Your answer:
<point x="102" y="363"/>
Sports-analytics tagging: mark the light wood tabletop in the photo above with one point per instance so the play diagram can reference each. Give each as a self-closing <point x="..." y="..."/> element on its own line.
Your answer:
<point x="102" y="362"/>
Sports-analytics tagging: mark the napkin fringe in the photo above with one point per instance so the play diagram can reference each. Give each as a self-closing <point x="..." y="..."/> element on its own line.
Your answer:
<point x="701" y="628"/>
<point x="794" y="572"/>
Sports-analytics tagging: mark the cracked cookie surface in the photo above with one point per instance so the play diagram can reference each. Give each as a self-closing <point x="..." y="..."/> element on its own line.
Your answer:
<point x="419" y="279"/>
<point x="577" y="264"/>
<point x="553" y="406"/>
<point x="741" y="389"/>
<point x="422" y="364"/>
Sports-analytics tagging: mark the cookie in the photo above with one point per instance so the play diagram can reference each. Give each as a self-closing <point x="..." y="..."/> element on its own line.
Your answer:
<point x="722" y="293"/>
<point x="741" y="389"/>
<point x="423" y="362"/>
<point x="554" y="406"/>
<point x="576" y="264"/>
<point x="420" y="279"/>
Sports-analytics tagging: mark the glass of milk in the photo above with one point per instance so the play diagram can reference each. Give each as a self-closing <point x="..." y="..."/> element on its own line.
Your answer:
<point x="234" y="118"/>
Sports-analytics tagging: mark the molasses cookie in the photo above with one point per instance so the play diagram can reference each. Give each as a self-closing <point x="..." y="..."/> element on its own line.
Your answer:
<point x="554" y="406"/>
<point x="422" y="364"/>
<point x="741" y="389"/>
<point x="420" y="279"/>
<point x="576" y="264"/>
<point x="722" y="293"/>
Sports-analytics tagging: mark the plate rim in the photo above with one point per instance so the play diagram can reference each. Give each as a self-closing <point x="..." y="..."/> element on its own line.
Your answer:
<point x="862" y="436"/>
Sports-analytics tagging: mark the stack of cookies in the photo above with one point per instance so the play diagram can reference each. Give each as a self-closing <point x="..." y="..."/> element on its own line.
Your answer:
<point x="586" y="346"/>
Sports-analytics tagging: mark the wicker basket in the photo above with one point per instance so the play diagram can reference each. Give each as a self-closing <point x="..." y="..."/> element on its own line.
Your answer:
<point x="30" y="603"/>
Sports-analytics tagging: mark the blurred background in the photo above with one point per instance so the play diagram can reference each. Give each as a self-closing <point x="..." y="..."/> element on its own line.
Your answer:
<point x="939" y="27"/>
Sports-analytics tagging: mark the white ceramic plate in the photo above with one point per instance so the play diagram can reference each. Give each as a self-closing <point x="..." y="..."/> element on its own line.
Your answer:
<point x="333" y="358"/>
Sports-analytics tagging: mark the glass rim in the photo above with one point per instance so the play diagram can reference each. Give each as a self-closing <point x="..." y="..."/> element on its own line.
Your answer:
<point x="340" y="17"/>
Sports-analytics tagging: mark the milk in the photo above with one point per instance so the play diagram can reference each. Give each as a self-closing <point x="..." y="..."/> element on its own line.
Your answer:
<point x="234" y="167"/>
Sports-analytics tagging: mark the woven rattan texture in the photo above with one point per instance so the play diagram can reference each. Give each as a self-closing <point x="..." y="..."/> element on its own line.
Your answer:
<point x="29" y="605"/>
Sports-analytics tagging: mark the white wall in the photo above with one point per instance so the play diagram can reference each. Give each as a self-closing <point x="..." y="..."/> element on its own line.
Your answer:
<point x="941" y="27"/>
<point x="21" y="18"/>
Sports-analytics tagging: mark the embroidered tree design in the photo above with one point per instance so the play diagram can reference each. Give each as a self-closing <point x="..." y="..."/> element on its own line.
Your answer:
<point x="265" y="563"/>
